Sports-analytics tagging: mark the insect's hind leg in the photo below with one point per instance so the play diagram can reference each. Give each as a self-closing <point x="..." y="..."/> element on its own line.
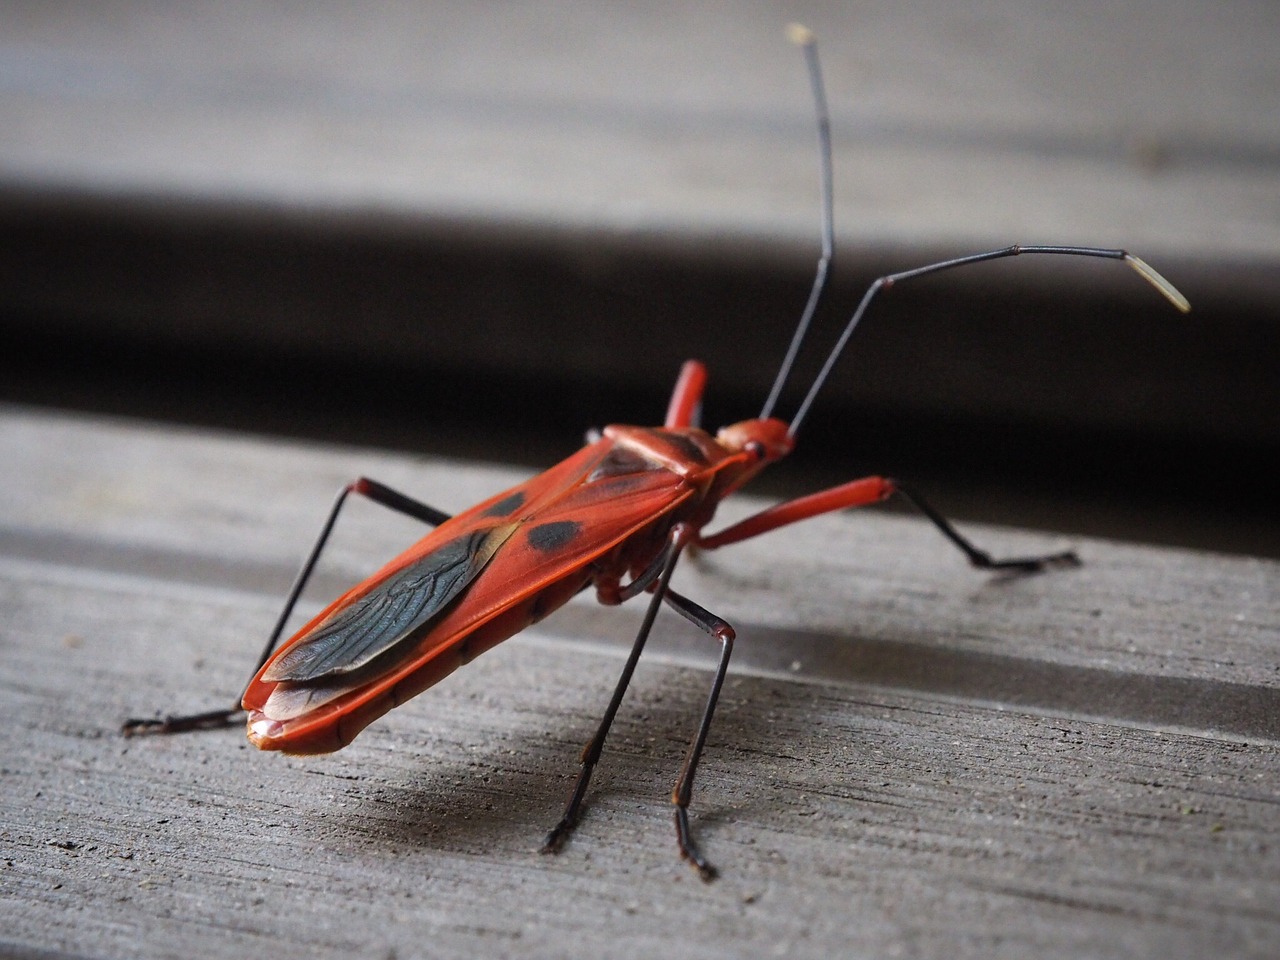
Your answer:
<point x="214" y="719"/>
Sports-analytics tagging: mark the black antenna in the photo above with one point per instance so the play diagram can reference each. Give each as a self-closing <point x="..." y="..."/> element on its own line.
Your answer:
<point x="803" y="37"/>
<point x="1169" y="291"/>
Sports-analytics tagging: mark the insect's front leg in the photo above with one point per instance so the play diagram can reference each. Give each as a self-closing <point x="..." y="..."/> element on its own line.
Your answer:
<point x="978" y="557"/>
<point x="869" y="490"/>
<point x="214" y="719"/>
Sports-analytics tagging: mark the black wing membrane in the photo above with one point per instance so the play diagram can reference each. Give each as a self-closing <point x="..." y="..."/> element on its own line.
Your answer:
<point x="375" y="624"/>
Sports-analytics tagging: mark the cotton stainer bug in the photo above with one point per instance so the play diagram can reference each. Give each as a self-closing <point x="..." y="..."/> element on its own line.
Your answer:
<point x="616" y="516"/>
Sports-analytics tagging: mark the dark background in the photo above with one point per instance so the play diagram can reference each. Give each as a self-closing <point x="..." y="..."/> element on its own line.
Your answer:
<point x="1061" y="394"/>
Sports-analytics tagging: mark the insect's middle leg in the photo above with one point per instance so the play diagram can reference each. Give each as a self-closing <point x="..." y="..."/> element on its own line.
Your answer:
<point x="377" y="492"/>
<point x="656" y="577"/>
<point x="868" y="490"/>
<point x="683" y="791"/>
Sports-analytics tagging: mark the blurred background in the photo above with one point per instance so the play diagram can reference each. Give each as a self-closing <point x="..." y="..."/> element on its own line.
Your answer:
<point x="476" y="229"/>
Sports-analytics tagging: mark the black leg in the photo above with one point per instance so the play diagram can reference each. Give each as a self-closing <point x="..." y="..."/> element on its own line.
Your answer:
<point x="213" y="719"/>
<point x="680" y="796"/>
<point x="980" y="558"/>
<point x="556" y="838"/>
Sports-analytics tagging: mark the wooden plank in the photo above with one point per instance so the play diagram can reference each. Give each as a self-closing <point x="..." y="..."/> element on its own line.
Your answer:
<point x="1149" y="122"/>
<point x="910" y="758"/>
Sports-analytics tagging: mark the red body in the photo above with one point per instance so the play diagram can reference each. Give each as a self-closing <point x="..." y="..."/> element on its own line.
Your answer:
<point x="598" y="517"/>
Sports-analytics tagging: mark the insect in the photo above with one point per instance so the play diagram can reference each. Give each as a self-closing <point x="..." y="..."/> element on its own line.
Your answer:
<point x="616" y="516"/>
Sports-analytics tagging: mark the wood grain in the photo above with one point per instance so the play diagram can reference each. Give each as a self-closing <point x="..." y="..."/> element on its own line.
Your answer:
<point x="910" y="758"/>
<point x="962" y="128"/>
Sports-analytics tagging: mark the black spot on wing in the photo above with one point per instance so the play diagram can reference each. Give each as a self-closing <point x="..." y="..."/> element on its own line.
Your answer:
<point x="547" y="537"/>
<point x="507" y="505"/>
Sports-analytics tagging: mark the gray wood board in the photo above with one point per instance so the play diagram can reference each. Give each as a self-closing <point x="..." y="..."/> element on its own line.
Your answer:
<point x="1146" y="124"/>
<point x="910" y="758"/>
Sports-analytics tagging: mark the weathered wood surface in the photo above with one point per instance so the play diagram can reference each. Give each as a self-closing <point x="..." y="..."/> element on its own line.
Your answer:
<point x="957" y="127"/>
<point x="910" y="759"/>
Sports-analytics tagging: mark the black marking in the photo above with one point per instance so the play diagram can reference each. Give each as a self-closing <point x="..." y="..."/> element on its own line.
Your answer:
<point x="538" y="608"/>
<point x="547" y="537"/>
<point x="506" y="506"/>
<point x="620" y="462"/>
<point x="688" y="448"/>
<point x="376" y="624"/>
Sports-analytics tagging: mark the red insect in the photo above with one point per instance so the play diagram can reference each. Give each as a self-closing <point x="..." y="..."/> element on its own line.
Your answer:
<point x="615" y="516"/>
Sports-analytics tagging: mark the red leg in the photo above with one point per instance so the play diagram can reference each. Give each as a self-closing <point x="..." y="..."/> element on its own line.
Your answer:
<point x="859" y="493"/>
<point x="856" y="493"/>
<point x="686" y="399"/>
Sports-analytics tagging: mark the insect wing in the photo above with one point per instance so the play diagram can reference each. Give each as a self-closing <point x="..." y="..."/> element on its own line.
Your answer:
<point x="546" y="533"/>
<point x="354" y="636"/>
<point x="583" y="525"/>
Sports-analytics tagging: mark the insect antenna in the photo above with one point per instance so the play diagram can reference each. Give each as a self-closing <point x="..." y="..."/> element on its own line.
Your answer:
<point x="803" y="37"/>
<point x="1144" y="270"/>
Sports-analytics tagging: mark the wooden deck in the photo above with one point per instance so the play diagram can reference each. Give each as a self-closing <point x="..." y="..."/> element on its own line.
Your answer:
<point x="910" y="758"/>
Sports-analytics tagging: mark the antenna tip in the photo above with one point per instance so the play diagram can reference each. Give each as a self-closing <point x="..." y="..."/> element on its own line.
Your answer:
<point x="800" y="35"/>
<point x="1149" y="274"/>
